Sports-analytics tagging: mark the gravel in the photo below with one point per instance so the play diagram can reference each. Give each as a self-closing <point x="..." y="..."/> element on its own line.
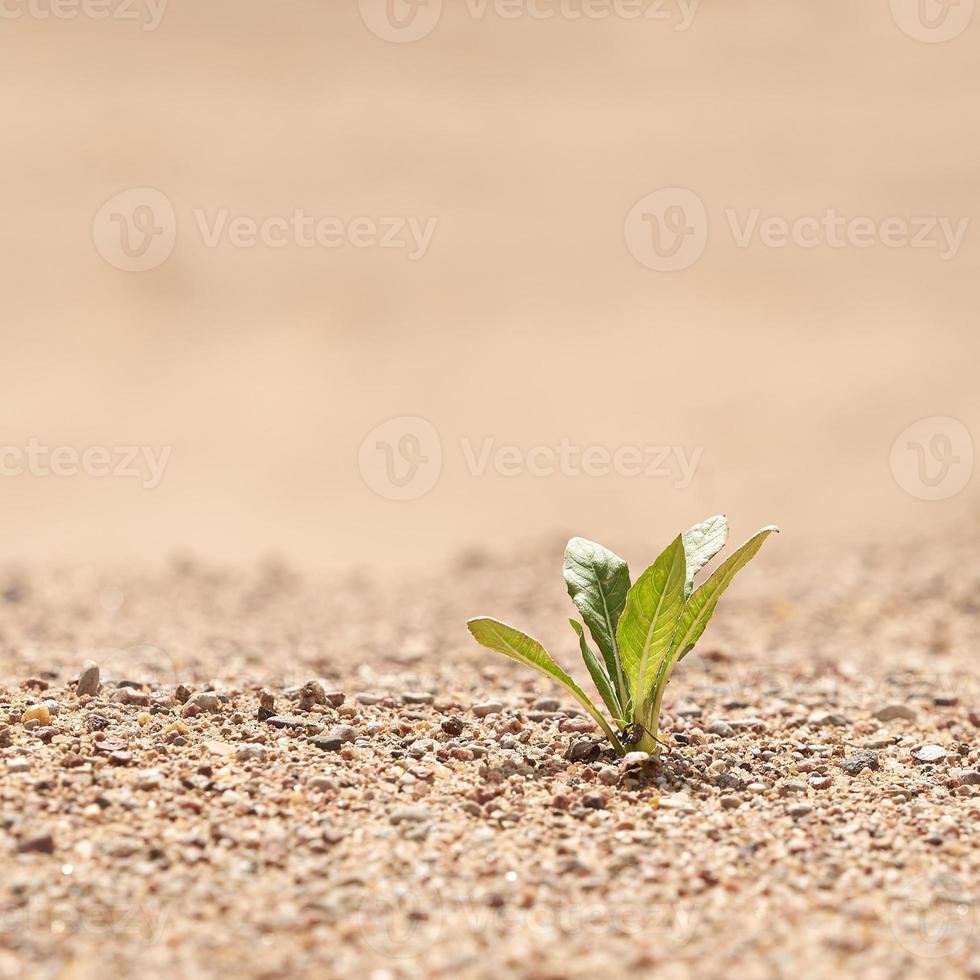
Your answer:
<point x="327" y="743"/>
<point x="384" y="836"/>
<point x="892" y="712"/>
<point x="855" y="764"/>
<point x="487" y="708"/>
<point x="88" y="679"/>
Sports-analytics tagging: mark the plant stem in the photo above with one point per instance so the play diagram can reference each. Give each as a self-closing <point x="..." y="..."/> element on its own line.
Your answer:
<point x="651" y="724"/>
<point x="649" y="744"/>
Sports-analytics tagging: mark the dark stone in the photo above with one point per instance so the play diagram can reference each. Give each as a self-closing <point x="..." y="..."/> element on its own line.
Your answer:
<point x="585" y="750"/>
<point x="328" y="743"/>
<point x="452" y="726"/>
<point x="290" y="721"/>
<point x="41" y="844"/>
<point x="855" y="764"/>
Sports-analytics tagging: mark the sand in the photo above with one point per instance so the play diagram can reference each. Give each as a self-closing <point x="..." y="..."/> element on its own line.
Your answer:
<point x="415" y="812"/>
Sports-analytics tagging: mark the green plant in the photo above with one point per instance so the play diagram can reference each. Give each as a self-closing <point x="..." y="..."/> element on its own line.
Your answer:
<point x="642" y="631"/>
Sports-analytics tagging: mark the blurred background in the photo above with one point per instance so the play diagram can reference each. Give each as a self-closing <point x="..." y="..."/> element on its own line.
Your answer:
<point x="375" y="283"/>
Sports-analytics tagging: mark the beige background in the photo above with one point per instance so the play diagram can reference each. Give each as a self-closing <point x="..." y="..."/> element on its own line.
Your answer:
<point x="527" y="321"/>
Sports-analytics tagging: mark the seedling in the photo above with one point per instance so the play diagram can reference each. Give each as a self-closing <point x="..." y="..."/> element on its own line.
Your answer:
<point x="642" y="630"/>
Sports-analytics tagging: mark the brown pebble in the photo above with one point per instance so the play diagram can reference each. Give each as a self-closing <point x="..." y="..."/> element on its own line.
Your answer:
<point x="40" y="844"/>
<point x="452" y="726"/>
<point x="88" y="679"/>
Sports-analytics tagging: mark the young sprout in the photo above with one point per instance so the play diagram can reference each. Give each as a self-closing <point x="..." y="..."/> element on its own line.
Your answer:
<point x="642" y="630"/>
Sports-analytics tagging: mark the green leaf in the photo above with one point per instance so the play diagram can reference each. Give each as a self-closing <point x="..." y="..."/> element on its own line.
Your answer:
<point x="512" y="643"/>
<point x="701" y="605"/>
<point x="598" y="581"/>
<point x="701" y="543"/>
<point x="597" y="673"/>
<point x="647" y="626"/>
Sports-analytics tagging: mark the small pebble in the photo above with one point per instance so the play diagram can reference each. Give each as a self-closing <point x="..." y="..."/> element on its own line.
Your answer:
<point x="327" y="743"/>
<point x="855" y="764"/>
<point x="968" y="777"/>
<point x="409" y="814"/>
<point x="893" y="712"/>
<point x="344" y="732"/>
<point x="608" y="775"/>
<point x="688" y="710"/>
<point x="250" y="751"/>
<point x="205" y="701"/>
<point x="267" y="706"/>
<point x="487" y="708"/>
<point x="38" y="713"/>
<point x="88" y="679"/>
<point x="126" y="695"/>
<point x="452" y="726"/>
<point x="582" y="751"/>
<point x="547" y="704"/>
<point x="148" y="778"/>
<point x="40" y="844"/>
<point x="790" y="788"/>
<point x="311" y="694"/>
<point x="721" y="728"/>
<point x="827" y="719"/>
<point x="929" y="754"/>
<point x="289" y="721"/>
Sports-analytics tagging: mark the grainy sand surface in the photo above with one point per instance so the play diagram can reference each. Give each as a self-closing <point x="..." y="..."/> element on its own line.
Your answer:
<point x="439" y="828"/>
